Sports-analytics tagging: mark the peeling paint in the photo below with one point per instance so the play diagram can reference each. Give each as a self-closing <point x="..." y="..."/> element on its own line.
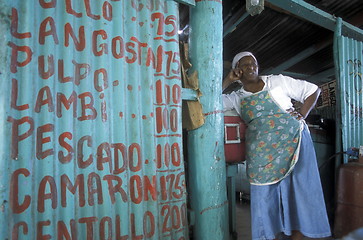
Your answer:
<point x="2" y="207"/>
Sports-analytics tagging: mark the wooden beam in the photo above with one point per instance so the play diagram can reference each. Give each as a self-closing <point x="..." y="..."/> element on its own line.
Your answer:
<point x="315" y="15"/>
<point x="298" y="58"/>
<point x="323" y="77"/>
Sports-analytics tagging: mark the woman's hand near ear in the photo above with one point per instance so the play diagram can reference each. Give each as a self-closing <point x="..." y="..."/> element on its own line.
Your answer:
<point x="233" y="76"/>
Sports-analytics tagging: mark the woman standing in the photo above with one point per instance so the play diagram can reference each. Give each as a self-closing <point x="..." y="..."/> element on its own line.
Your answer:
<point x="286" y="193"/>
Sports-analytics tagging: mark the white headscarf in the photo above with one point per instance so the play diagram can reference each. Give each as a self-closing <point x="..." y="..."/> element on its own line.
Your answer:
<point x="239" y="56"/>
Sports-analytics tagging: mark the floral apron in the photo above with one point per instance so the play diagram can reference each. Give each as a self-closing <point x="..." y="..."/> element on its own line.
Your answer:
<point x="272" y="139"/>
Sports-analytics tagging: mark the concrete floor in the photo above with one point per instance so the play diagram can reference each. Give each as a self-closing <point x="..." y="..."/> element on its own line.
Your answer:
<point x="243" y="221"/>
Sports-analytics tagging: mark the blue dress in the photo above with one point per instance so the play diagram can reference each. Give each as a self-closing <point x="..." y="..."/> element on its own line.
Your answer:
<point x="281" y="201"/>
<point x="294" y="203"/>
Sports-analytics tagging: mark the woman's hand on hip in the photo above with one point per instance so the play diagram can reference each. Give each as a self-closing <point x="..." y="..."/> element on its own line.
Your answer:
<point x="295" y="114"/>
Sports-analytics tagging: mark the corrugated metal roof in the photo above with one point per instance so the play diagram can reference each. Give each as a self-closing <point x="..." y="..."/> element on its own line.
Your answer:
<point x="276" y="36"/>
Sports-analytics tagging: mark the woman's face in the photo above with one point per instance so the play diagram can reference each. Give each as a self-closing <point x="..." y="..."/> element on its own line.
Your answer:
<point x="249" y="68"/>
